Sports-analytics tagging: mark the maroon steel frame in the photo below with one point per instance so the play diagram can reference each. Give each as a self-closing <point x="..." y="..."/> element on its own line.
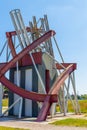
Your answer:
<point x="22" y="57"/>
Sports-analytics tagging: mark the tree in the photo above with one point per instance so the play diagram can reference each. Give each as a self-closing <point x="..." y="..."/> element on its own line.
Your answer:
<point x="84" y="96"/>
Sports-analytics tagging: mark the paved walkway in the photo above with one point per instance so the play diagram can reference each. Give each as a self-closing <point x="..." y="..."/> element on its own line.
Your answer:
<point x="32" y="125"/>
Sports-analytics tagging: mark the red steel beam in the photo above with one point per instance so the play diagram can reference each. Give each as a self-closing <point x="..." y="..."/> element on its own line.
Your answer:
<point x="54" y="90"/>
<point x="26" y="60"/>
<point x="10" y="41"/>
<point x="44" y="110"/>
<point x="26" y="50"/>
<point x="13" y="33"/>
<point x="47" y="80"/>
<point x="60" y="80"/>
<point x="24" y="93"/>
<point x="11" y="46"/>
<point x="13" y="87"/>
<point x="58" y="66"/>
<point x="2" y="65"/>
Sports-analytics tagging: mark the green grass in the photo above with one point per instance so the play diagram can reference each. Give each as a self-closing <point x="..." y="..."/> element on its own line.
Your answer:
<point x="85" y="115"/>
<point x="83" y="106"/>
<point x="82" y="103"/>
<point x="5" y="102"/>
<point x="71" y="122"/>
<point x="9" y="128"/>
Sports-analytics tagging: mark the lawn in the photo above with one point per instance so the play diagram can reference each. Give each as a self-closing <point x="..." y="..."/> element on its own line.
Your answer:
<point x="9" y="128"/>
<point x="83" y="106"/>
<point x="85" y="115"/>
<point x="5" y="102"/>
<point x="82" y="103"/>
<point x="71" y="122"/>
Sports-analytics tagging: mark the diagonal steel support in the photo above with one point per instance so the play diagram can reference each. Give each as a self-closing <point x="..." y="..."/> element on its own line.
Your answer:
<point x="26" y="50"/>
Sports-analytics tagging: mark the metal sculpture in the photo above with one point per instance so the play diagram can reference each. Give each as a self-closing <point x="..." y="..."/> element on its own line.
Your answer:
<point x="38" y="41"/>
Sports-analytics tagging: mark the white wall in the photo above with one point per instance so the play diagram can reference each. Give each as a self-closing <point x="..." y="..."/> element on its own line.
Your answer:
<point x="28" y="86"/>
<point x="17" y="82"/>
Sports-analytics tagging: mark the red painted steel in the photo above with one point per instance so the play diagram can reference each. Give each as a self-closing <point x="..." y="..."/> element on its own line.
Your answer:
<point x="11" y="46"/>
<point x="26" y="50"/>
<point x="60" y="80"/>
<point x="10" y="41"/>
<point x="58" y="66"/>
<point x="47" y="80"/>
<point x="5" y="67"/>
<point x="54" y="90"/>
<point x="24" y="93"/>
<point x="2" y="65"/>
<point x="49" y="98"/>
<point x="26" y="60"/>
<point x="44" y="110"/>
<point x="13" y="33"/>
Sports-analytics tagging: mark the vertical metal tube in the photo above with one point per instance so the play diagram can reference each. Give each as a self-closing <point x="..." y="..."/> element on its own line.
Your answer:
<point x="14" y="19"/>
<point x="20" y="107"/>
<point x="58" y="49"/>
<point x="74" y="89"/>
<point x="18" y="24"/>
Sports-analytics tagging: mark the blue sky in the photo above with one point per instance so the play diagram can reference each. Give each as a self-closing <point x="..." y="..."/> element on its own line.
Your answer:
<point x="67" y="17"/>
